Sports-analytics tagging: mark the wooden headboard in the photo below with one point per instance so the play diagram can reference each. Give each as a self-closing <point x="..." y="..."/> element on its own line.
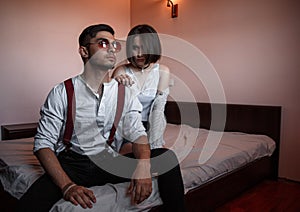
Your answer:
<point x="253" y="119"/>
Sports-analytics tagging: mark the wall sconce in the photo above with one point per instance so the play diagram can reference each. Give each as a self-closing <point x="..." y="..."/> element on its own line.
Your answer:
<point x="174" y="8"/>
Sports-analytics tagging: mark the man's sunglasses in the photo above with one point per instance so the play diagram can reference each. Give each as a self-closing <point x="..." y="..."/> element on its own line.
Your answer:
<point x="104" y="43"/>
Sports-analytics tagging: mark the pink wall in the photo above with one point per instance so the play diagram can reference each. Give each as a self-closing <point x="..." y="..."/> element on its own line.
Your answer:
<point x="254" y="48"/>
<point x="39" y="48"/>
<point x="252" y="45"/>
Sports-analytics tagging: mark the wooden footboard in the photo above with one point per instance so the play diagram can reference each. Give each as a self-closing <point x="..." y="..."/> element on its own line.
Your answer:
<point x="239" y="118"/>
<point x="220" y="190"/>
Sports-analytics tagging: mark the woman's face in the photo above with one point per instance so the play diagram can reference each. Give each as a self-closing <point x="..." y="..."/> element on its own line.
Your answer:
<point x="138" y="53"/>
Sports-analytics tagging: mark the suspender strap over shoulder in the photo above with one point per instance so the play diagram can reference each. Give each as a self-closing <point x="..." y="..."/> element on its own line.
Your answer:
<point x="71" y="111"/>
<point x="120" y="105"/>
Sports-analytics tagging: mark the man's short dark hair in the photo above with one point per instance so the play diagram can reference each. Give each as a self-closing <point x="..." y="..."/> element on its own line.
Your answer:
<point x="150" y="41"/>
<point x="91" y="31"/>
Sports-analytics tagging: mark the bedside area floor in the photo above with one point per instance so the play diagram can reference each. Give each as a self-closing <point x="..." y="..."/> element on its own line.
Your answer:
<point x="282" y="196"/>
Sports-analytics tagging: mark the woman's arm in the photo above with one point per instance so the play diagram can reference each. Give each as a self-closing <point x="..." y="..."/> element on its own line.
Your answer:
<point x="157" y="121"/>
<point x="164" y="78"/>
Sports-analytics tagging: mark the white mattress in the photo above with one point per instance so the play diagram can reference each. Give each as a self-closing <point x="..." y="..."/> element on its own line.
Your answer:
<point x="221" y="152"/>
<point x="233" y="150"/>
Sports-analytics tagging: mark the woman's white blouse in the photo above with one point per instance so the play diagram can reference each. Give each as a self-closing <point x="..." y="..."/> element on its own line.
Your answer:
<point x="146" y="93"/>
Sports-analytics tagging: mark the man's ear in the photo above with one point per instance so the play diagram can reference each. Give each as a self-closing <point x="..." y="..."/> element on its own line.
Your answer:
<point x="83" y="52"/>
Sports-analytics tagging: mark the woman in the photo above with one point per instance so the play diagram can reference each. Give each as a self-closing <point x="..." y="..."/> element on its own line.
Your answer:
<point x="151" y="85"/>
<point x="151" y="81"/>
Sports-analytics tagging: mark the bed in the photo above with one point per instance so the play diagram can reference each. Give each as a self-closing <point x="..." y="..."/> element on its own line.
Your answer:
<point x="258" y="127"/>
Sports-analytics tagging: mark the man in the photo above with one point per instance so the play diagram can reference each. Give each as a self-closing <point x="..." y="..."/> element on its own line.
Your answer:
<point x="89" y="160"/>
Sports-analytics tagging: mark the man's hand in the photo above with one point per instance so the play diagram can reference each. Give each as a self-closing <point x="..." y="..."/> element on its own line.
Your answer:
<point x="79" y="195"/>
<point x="71" y="192"/>
<point x="140" y="187"/>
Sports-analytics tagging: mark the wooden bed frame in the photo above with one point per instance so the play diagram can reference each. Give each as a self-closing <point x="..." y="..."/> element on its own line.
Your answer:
<point x="251" y="119"/>
<point x="239" y="118"/>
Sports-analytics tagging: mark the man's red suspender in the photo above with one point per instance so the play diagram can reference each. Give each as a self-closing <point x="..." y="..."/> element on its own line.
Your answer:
<point x="71" y="111"/>
<point x="120" y="104"/>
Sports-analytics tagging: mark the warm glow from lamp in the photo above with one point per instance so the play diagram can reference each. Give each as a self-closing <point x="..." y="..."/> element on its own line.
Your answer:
<point x="174" y="8"/>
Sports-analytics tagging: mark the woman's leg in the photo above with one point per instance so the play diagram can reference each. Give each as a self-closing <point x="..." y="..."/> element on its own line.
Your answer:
<point x="164" y="162"/>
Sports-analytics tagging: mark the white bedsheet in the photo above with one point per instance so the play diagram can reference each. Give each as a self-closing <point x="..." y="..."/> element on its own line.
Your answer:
<point x="19" y="168"/>
<point x="234" y="150"/>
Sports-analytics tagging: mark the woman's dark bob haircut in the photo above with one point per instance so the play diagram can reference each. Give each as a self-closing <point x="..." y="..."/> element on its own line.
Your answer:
<point x="150" y="40"/>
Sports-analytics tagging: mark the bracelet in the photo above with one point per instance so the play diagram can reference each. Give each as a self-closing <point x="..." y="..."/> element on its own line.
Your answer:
<point x="67" y="187"/>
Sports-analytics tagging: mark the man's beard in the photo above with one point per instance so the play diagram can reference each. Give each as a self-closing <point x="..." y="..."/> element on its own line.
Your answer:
<point x="97" y="65"/>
